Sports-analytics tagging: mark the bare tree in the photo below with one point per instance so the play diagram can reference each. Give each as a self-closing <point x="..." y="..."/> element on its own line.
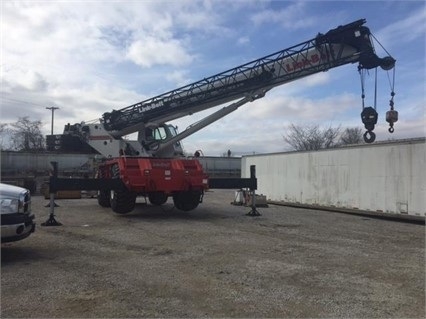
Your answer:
<point x="3" y="135"/>
<point x="351" y="135"/>
<point x="26" y="135"/>
<point x="311" y="138"/>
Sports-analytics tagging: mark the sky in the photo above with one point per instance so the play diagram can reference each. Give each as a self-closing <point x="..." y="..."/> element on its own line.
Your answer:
<point x="90" y="57"/>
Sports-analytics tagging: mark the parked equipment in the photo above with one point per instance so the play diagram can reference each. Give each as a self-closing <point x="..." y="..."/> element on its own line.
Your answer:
<point x="154" y="165"/>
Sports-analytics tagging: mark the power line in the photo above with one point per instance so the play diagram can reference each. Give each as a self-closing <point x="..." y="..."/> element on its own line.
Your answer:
<point x="20" y="101"/>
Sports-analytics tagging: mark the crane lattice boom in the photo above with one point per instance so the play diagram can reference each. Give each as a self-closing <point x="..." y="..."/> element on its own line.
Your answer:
<point x="346" y="44"/>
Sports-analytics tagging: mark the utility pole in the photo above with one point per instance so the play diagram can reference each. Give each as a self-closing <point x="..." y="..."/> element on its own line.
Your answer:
<point x="52" y="108"/>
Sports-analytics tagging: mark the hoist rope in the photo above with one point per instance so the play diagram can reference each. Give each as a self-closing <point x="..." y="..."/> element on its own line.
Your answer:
<point x="375" y="88"/>
<point x="391" y="84"/>
<point x="380" y="44"/>
<point x="361" y="73"/>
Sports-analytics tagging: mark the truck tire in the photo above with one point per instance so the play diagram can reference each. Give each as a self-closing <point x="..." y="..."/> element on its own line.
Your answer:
<point x="123" y="201"/>
<point x="104" y="198"/>
<point x="187" y="201"/>
<point x="157" y="198"/>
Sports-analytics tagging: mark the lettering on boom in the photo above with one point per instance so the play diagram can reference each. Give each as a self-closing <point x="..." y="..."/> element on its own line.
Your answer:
<point x="312" y="60"/>
<point x="150" y="106"/>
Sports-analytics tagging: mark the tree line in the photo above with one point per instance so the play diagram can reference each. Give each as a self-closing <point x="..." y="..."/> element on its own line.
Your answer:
<point x="313" y="137"/>
<point x="22" y="135"/>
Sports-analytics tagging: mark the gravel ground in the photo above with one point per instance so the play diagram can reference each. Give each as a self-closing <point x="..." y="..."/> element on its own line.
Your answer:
<point x="213" y="262"/>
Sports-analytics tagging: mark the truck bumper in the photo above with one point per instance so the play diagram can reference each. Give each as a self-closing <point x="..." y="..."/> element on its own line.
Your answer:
<point x="16" y="227"/>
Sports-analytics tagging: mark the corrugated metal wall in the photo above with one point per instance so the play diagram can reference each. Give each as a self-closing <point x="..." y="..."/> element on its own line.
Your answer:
<point x="384" y="177"/>
<point x="221" y="166"/>
<point x="15" y="162"/>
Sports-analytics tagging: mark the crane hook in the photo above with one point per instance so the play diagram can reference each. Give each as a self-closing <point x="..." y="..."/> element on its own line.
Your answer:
<point x="391" y="115"/>
<point x="369" y="118"/>
<point x="369" y="137"/>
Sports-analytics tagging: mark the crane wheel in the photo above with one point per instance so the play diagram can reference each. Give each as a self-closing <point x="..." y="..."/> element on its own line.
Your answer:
<point x="187" y="201"/>
<point x="104" y="198"/>
<point x="103" y="195"/>
<point x="123" y="201"/>
<point x="157" y="198"/>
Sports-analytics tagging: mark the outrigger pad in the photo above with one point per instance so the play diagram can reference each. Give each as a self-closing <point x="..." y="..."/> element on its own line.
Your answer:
<point x="51" y="221"/>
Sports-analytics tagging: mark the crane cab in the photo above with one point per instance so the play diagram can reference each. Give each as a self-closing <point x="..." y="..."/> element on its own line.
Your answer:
<point x="154" y="140"/>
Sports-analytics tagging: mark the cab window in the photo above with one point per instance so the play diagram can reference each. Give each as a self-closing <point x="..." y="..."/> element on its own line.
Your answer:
<point x="160" y="133"/>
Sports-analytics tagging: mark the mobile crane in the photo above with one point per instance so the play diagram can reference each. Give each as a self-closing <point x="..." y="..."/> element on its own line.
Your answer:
<point x="154" y="164"/>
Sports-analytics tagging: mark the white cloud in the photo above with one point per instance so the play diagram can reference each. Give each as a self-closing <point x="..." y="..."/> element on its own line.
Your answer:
<point x="317" y="79"/>
<point x="243" y="40"/>
<point x="179" y="78"/>
<point x="64" y="54"/>
<point x="151" y="51"/>
<point x="401" y="31"/>
<point x="300" y="109"/>
<point x="26" y="79"/>
<point x="292" y="16"/>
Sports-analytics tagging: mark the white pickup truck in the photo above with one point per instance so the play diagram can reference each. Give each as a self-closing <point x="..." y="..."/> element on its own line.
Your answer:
<point x="17" y="220"/>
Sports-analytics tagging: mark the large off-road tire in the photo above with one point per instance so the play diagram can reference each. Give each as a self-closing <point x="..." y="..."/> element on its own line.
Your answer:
<point x="157" y="198"/>
<point x="103" y="195"/>
<point x="104" y="198"/>
<point x="187" y="201"/>
<point x="122" y="201"/>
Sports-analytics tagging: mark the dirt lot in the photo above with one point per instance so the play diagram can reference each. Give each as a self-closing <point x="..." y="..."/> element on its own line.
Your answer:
<point x="213" y="262"/>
